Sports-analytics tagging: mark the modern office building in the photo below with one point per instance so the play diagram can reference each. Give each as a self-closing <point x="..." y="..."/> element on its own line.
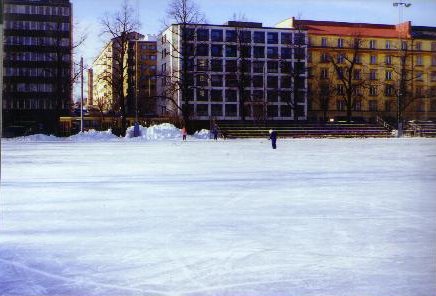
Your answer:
<point x="139" y="73"/>
<point x="374" y="67"/>
<point x="236" y="71"/>
<point x="37" y="63"/>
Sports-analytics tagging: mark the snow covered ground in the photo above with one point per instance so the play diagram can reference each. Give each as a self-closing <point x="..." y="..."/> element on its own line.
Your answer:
<point x="129" y="217"/>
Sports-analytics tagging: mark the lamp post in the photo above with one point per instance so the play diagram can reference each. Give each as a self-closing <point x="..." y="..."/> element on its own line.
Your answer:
<point x="400" y="6"/>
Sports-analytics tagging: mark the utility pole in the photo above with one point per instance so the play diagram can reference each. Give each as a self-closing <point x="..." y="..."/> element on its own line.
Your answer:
<point x="81" y="95"/>
<point x="400" y="94"/>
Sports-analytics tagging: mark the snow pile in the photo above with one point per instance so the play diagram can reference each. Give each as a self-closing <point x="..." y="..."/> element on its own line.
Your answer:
<point x="204" y="134"/>
<point x="93" y="135"/>
<point x="35" y="138"/>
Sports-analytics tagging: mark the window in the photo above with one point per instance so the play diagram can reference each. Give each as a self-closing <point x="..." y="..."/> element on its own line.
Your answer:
<point x="388" y="105"/>
<point x="272" y="82"/>
<point x="216" y="35"/>
<point x="216" y="50"/>
<point x="216" y="95"/>
<point x="202" y="35"/>
<point x="340" y="89"/>
<point x="419" y="75"/>
<point x="285" y="82"/>
<point x="388" y="60"/>
<point x="324" y="42"/>
<point x="419" y="60"/>
<point x="433" y="60"/>
<point x="433" y="46"/>
<point x="202" y="95"/>
<point x="273" y="38"/>
<point x="272" y="52"/>
<point x="202" y="49"/>
<point x="388" y="75"/>
<point x="258" y="95"/>
<point x="324" y="74"/>
<point x="373" y="60"/>
<point x="419" y="90"/>
<point x="372" y="105"/>
<point x="202" y="110"/>
<point x="358" y="105"/>
<point x="373" y="74"/>
<point x="433" y="105"/>
<point x="217" y="65"/>
<point x="340" y="42"/>
<point x="273" y="67"/>
<point x="404" y="45"/>
<point x="202" y="65"/>
<point x="231" y="110"/>
<point x="341" y="58"/>
<point x="272" y="96"/>
<point x="324" y="57"/>
<point x="216" y="80"/>
<point x="202" y="80"/>
<point x="245" y="52"/>
<point x="373" y="90"/>
<point x="231" y="66"/>
<point x="300" y="39"/>
<point x="231" y="51"/>
<point x="286" y="53"/>
<point x="258" y="67"/>
<point x="357" y="74"/>
<point x="286" y="38"/>
<point x="372" y="44"/>
<point x="257" y="81"/>
<point x="389" y="90"/>
<point x="433" y="76"/>
<point x="259" y="51"/>
<point x="340" y="105"/>
<point x="272" y="110"/>
<point x="230" y="36"/>
<point x="388" y="44"/>
<point x="245" y="36"/>
<point x="231" y="95"/>
<point x="418" y="46"/>
<point x="259" y="37"/>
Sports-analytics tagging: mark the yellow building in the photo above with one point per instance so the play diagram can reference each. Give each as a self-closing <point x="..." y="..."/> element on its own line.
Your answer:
<point x="138" y="84"/>
<point x="365" y="71"/>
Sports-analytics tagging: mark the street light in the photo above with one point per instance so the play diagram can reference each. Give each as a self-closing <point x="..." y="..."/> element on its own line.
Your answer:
<point x="400" y="6"/>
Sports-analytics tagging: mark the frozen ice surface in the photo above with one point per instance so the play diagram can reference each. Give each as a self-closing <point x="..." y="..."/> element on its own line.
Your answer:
<point x="315" y="217"/>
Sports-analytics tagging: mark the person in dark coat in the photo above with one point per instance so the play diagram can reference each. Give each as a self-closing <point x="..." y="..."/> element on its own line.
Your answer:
<point x="215" y="132"/>
<point x="273" y="138"/>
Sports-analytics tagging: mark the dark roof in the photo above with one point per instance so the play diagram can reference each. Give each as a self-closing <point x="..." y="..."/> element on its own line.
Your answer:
<point x="423" y="32"/>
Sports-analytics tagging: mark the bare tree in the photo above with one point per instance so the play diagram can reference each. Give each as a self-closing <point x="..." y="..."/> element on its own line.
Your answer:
<point x="121" y="27"/>
<point x="322" y="91"/>
<point x="178" y="83"/>
<point x="351" y="75"/>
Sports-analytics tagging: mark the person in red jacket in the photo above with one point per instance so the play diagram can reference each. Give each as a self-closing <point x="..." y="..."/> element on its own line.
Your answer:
<point x="184" y="133"/>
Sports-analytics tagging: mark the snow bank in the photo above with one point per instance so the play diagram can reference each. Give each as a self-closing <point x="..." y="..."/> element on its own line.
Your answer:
<point x="164" y="131"/>
<point x="93" y="135"/>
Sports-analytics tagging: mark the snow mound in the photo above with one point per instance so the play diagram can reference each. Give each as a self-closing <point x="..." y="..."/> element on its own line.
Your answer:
<point x="93" y="135"/>
<point x="35" y="138"/>
<point x="163" y="131"/>
<point x="204" y="134"/>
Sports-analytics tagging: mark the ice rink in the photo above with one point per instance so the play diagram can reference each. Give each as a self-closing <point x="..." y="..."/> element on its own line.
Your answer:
<point x="324" y="217"/>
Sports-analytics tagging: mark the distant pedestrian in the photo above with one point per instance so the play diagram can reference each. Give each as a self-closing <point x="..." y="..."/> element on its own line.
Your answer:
<point x="273" y="138"/>
<point x="215" y="132"/>
<point x="184" y="133"/>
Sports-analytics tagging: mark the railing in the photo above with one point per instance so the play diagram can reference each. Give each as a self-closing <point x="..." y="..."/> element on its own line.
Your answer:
<point x="386" y="125"/>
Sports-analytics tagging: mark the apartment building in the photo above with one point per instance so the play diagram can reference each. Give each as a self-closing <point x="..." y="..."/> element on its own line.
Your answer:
<point x="375" y="67"/>
<point x="236" y="71"/>
<point x="37" y="62"/>
<point x="139" y="83"/>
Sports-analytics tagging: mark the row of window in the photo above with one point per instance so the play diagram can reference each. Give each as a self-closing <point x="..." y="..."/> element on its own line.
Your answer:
<point x="35" y="56"/>
<point x="37" y="41"/>
<point x="255" y="81"/>
<point x="373" y="44"/>
<point x="373" y="74"/>
<point x="37" y="9"/>
<point x="232" y="110"/>
<point x="232" y="95"/>
<point x="243" y="36"/>
<point x="30" y="87"/>
<point x="231" y="66"/>
<point x="389" y="105"/>
<point x="34" y="72"/>
<point x="219" y="50"/>
<point x="388" y="59"/>
<point x="32" y="25"/>
<point x="29" y="104"/>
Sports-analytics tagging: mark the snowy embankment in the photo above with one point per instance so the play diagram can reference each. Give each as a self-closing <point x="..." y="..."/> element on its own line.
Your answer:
<point x="164" y="131"/>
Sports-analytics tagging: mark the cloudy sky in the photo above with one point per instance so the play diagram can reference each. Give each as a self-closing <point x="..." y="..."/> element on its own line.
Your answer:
<point x="152" y="13"/>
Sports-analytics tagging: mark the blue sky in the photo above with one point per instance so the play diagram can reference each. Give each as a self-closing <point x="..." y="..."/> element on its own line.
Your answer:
<point x="152" y="13"/>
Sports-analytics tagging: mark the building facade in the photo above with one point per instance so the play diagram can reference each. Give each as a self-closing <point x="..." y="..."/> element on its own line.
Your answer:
<point x="138" y="77"/>
<point x="236" y="71"/>
<point x="37" y="63"/>
<point x="368" y="70"/>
